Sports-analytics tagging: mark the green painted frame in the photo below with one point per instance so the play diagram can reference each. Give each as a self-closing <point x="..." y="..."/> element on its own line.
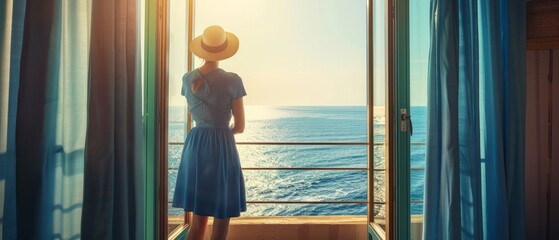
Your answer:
<point x="390" y="229"/>
<point x="402" y="101"/>
<point x="150" y="120"/>
<point x="371" y="233"/>
<point x="399" y="141"/>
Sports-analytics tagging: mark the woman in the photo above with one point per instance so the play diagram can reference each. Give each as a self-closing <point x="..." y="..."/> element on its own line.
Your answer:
<point x="210" y="181"/>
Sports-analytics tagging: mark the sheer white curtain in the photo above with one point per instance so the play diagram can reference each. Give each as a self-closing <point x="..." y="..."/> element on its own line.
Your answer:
<point x="71" y="119"/>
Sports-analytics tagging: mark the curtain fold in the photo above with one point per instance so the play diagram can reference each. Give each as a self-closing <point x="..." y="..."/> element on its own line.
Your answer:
<point x="36" y="109"/>
<point x="113" y="162"/>
<point x="475" y="159"/>
<point x="12" y="19"/>
<point x="453" y="194"/>
<point x="71" y="118"/>
<point x="50" y="127"/>
<point x="442" y="199"/>
<point x="504" y="79"/>
<point x="53" y="99"/>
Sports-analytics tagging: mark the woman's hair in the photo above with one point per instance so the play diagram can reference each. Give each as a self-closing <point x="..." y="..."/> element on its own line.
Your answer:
<point x="202" y="61"/>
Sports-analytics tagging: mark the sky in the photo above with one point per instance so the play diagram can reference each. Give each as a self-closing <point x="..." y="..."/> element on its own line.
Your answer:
<point x="292" y="52"/>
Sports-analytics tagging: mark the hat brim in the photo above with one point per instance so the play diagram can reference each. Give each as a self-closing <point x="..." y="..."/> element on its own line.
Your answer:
<point x="229" y="51"/>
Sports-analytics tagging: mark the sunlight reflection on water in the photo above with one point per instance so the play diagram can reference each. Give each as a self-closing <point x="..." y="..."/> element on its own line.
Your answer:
<point x="301" y="124"/>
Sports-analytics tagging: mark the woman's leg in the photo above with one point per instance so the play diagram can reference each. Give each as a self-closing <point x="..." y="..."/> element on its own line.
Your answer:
<point x="220" y="228"/>
<point x="198" y="228"/>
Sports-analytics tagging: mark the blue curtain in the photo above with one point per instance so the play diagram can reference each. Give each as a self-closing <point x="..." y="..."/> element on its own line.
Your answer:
<point x="504" y="79"/>
<point x="11" y="21"/>
<point x="36" y="118"/>
<point x="113" y="200"/>
<point x="475" y="148"/>
<point x="49" y="111"/>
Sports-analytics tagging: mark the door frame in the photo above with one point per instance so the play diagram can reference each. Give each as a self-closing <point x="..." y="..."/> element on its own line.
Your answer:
<point x="398" y="142"/>
<point x="402" y="101"/>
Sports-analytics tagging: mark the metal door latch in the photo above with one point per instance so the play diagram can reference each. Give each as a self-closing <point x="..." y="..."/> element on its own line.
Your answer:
<point x="404" y="117"/>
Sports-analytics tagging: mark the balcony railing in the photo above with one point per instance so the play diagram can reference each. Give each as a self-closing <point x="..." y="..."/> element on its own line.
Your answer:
<point x="314" y="169"/>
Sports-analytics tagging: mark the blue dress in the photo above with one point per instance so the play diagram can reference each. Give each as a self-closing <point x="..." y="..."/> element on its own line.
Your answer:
<point x="210" y="181"/>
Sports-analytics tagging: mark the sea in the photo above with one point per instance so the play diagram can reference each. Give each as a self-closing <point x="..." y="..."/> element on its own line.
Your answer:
<point x="311" y="124"/>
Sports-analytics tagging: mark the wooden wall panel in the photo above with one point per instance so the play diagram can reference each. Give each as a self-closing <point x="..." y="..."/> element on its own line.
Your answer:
<point x="554" y="211"/>
<point x="538" y="146"/>
<point x="542" y="24"/>
<point x="535" y="192"/>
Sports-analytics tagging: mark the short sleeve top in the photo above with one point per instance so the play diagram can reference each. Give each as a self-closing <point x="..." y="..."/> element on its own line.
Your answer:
<point x="211" y="103"/>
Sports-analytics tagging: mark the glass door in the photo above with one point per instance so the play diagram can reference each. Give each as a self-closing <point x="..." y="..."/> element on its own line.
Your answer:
<point x="403" y="122"/>
<point x="411" y="41"/>
<point x="178" y="63"/>
<point x="399" y="48"/>
<point x="380" y="104"/>
<point x="411" y="66"/>
<point x="418" y="69"/>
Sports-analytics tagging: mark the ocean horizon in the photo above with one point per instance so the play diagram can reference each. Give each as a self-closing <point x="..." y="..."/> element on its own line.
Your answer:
<point x="296" y="124"/>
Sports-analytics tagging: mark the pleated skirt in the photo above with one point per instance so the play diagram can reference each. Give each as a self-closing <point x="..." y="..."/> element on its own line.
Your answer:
<point x="209" y="180"/>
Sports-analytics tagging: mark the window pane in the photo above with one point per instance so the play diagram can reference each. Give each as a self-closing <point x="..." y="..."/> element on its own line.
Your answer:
<point x="419" y="58"/>
<point x="380" y="186"/>
<point x="177" y="124"/>
<point x="174" y="156"/>
<point x="417" y="179"/>
<point x="417" y="155"/>
<point x="417" y="209"/>
<point x="380" y="213"/>
<point x="177" y="57"/>
<point x="379" y="112"/>
<point x="379" y="158"/>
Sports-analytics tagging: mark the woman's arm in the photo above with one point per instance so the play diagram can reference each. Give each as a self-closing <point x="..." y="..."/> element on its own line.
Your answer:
<point x="238" y="115"/>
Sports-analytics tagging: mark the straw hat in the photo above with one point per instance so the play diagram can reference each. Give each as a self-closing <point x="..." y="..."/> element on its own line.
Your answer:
<point x="215" y="44"/>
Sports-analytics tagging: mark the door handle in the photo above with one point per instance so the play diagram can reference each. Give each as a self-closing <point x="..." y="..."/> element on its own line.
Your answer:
<point x="404" y="117"/>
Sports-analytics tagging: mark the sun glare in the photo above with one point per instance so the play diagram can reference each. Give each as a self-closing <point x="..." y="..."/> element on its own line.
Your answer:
<point x="291" y="52"/>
